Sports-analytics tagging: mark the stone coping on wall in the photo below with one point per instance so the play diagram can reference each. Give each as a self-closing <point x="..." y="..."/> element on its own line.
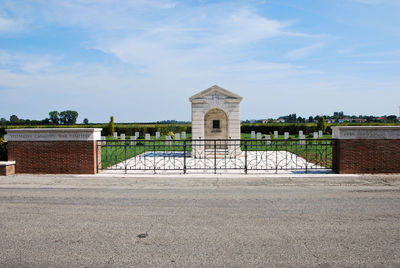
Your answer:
<point x="366" y="132"/>
<point x="7" y="163"/>
<point x="53" y="134"/>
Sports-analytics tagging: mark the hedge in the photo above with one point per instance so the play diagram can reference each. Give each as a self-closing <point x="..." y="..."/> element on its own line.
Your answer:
<point x="281" y="128"/>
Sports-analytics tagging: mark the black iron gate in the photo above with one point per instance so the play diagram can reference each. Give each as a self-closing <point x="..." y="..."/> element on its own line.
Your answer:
<point x="216" y="156"/>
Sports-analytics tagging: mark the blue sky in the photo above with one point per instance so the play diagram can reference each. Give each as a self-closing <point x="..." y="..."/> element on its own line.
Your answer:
<point x="140" y="60"/>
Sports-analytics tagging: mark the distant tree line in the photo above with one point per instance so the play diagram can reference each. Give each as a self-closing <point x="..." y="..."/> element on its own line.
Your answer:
<point x="67" y="117"/>
<point x="338" y="117"/>
<point x="63" y="118"/>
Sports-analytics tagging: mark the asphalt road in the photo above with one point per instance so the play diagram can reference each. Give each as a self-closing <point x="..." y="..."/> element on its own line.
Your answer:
<point x="206" y="226"/>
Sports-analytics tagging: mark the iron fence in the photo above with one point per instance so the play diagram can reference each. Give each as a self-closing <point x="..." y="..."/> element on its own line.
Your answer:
<point x="216" y="156"/>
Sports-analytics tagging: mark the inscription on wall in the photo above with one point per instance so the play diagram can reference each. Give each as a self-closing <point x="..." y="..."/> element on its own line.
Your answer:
<point x="366" y="132"/>
<point x="53" y="135"/>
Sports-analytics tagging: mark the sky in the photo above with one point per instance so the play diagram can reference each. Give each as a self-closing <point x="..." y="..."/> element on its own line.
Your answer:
<point x="140" y="60"/>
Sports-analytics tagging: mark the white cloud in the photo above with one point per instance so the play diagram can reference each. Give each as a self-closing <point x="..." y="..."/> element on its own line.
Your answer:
<point x="303" y="52"/>
<point x="8" y="25"/>
<point x="30" y="63"/>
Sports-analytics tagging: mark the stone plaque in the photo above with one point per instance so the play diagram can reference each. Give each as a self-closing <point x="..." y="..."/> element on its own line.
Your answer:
<point x="315" y="135"/>
<point x="115" y="134"/>
<point x="167" y="140"/>
<point x="147" y="137"/>
<point x="183" y="135"/>
<point x="259" y="135"/>
<point x="300" y="133"/>
<point x="122" y="136"/>
<point x="157" y="135"/>
<point x="177" y="136"/>
<point x="253" y="134"/>
<point x="320" y="134"/>
<point x="137" y="134"/>
<point x="367" y="132"/>
<point x="54" y="134"/>
<point x="276" y="134"/>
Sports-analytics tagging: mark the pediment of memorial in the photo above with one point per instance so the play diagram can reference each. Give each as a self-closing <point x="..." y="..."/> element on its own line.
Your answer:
<point x="215" y="93"/>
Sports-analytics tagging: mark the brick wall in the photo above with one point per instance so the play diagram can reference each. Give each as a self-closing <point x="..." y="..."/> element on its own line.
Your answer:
<point x="366" y="156"/>
<point x="54" y="157"/>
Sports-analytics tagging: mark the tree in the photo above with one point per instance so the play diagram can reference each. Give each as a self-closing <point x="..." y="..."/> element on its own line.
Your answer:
<point x="322" y="124"/>
<point x="14" y="119"/>
<point x="53" y="117"/>
<point x="392" y="118"/>
<point x="310" y="119"/>
<point x="68" y="117"/>
<point x="3" y="121"/>
<point x="86" y="121"/>
<point x="301" y="119"/>
<point x="111" y="126"/>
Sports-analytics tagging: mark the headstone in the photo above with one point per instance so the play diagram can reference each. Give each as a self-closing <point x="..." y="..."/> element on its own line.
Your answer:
<point x="115" y="135"/>
<point x="268" y="139"/>
<point x="177" y="136"/>
<point x="157" y="135"/>
<point x="133" y="140"/>
<point x="286" y="135"/>
<point x="137" y="134"/>
<point x="103" y="140"/>
<point x="253" y="134"/>
<point x="315" y="135"/>
<point x="167" y="140"/>
<point x="302" y="139"/>
<point x="259" y="135"/>
<point x="320" y="134"/>
<point x="147" y="137"/>
<point x="276" y="134"/>
<point x="300" y="133"/>
<point x="183" y="135"/>
<point x="122" y="136"/>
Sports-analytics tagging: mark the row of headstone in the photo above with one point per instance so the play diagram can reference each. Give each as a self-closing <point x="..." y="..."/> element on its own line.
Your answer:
<point x="178" y="136"/>
<point x="316" y="135"/>
<point x="259" y="135"/>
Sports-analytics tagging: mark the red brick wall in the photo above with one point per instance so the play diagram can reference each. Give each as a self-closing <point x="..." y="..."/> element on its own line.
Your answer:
<point x="54" y="157"/>
<point x="366" y="156"/>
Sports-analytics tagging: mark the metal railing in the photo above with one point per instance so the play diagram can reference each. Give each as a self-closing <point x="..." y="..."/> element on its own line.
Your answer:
<point x="216" y="156"/>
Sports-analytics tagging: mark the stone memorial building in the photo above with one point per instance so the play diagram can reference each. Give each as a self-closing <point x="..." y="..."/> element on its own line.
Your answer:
<point x="215" y="114"/>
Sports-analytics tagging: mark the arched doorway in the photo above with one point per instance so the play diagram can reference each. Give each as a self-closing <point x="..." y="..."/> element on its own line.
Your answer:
<point x="215" y="124"/>
<point x="216" y="128"/>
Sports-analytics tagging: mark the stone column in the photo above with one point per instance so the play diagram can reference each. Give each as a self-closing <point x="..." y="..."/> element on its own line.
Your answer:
<point x="369" y="149"/>
<point x="55" y="150"/>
